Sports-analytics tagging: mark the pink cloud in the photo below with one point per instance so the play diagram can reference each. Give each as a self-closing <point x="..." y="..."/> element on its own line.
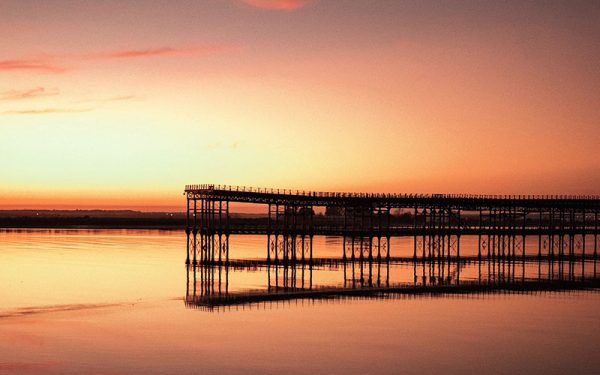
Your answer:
<point x="278" y="4"/>
<point x="121" y="98"/>
<point x="38" y="65"/>
<point x="160" y="51"/>
<point x="45" y="111"/>
<point x="47" y="64"/>
<point x="27" y="94"/>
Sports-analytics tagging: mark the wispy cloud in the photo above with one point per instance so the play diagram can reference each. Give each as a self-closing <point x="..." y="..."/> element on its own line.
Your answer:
<point x="278" y="4"/>
<point x="109" y="99"/>
<point x="121" y="98"/>
<point x="45" y="111"/>
<point x="27" y="94"/>
<point x="36" y="65"/>
<point x="158" y="51"/>
<point x="54" y="63"/>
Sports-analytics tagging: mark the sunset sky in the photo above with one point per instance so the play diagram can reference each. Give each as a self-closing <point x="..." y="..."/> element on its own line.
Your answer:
<point x="119" y="104"/>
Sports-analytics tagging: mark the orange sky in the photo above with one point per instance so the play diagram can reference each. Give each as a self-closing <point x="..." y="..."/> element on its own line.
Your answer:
<point x="119" y="104"/>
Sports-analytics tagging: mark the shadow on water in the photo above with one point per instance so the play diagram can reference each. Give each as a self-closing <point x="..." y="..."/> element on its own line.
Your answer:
<point x="238" y="283"/>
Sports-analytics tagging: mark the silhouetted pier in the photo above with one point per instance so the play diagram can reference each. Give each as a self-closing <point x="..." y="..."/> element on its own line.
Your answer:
<point x="367" y="222"/>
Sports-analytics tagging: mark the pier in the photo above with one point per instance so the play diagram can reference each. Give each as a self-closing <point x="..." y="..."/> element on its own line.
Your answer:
<point x="565" y="225"/>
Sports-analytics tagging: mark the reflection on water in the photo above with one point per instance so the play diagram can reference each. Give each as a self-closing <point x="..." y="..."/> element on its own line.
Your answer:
<point x="110" y="302"/>
<point x="210" y="286"/>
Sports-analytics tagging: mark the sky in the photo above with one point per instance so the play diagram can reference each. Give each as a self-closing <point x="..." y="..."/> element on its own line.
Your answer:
<point x="119" y="104"/>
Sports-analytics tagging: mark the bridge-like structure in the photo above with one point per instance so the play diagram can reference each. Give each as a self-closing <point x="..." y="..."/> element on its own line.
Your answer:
<point x="367" y="221"/>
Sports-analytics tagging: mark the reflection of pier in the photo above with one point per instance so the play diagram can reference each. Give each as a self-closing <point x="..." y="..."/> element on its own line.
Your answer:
<point x="564" y="225"/>
<point x="209" y="286"/>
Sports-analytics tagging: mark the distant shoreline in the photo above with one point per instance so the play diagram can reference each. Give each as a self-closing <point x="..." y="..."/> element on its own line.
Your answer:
<point x="90" y="223"/>
<point x="91" y="219"/>
<point x="89" y="227"/>
<point x="96" y="219"/>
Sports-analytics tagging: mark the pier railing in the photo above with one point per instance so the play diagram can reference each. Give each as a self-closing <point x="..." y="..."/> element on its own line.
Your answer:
<point x="212" y="188"/>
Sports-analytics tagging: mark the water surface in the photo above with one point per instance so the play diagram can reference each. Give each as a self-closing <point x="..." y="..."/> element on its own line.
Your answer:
<point x="113" y="302"/>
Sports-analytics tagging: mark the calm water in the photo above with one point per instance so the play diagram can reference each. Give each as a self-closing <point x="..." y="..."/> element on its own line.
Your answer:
<point x="114" y="302"/>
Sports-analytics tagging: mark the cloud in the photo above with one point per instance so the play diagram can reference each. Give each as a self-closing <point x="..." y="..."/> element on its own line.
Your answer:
<point x="108" y="99"/>
<point x="37" y="65"/>
<point x="120" y="98"/>
<point x="48" y="64"/>
<point x="159" y="51"/>
<point x="45" y="111"/>
<point x="278" y="4"/>
<point x="27" y="94"/>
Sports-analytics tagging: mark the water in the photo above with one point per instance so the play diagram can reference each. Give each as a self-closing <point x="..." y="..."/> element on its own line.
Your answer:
<point x="114" y="302"/>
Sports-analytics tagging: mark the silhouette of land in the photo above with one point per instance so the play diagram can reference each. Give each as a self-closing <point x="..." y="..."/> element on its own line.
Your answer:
<point x="101" y="219"/>
<point x="107" y="219"/>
